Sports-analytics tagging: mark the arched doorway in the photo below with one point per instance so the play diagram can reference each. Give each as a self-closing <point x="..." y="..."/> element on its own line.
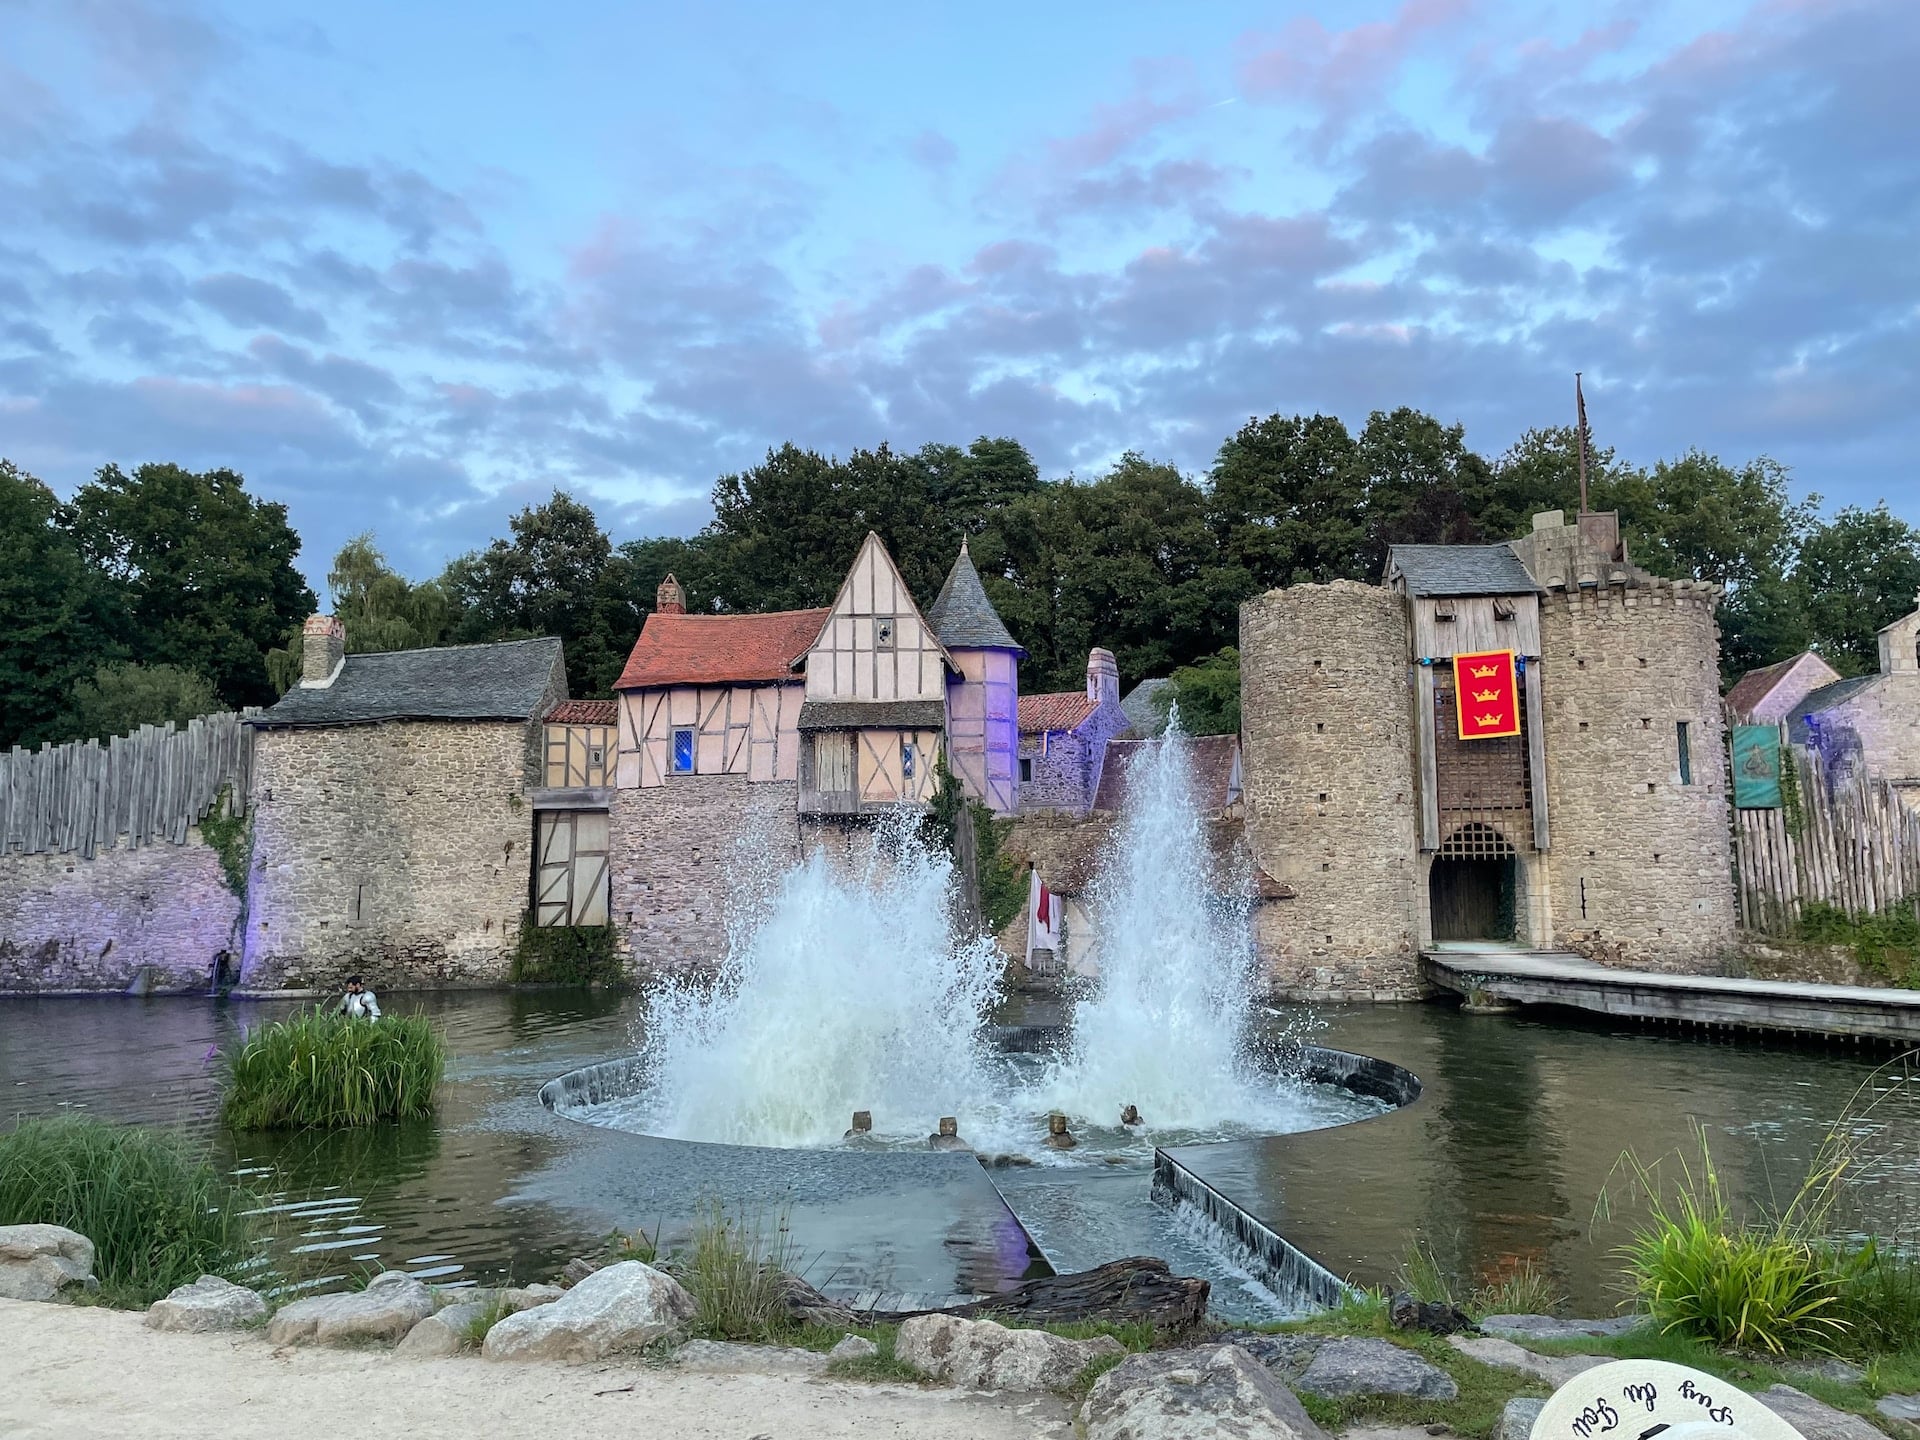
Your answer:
<point x="1473" y="885"/>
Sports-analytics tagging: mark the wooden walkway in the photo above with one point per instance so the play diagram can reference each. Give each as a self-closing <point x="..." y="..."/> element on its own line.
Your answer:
<point x="1515" y="977"/>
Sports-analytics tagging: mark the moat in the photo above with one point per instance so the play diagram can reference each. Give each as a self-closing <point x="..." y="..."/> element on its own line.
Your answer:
<point x="1519" y="1128"/>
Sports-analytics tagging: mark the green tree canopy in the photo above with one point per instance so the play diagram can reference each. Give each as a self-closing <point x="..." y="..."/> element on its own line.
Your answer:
<point x="120" y="697"/>
<point x="1857" y="572"/>
<point x="1288" y="502"/>
<point x="1208" y="694"/>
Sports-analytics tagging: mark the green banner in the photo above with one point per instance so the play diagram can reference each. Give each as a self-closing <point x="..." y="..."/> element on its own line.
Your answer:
<point x="1756" y="767"/>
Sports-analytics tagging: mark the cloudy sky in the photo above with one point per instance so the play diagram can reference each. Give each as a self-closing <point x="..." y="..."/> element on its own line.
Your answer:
<point x="407" y="267"/>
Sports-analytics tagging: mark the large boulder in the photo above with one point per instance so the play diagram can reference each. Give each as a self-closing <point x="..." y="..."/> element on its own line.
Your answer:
<point x="37" y="1262"/>
<point x="626" y="1306"/>
<point x="444" y="1332"/>
<point x="1516" y="1421"/>
<point x="1349" y="1365"/>
<point x="1815" y="1419"/>
<point x="1556" y="1370"/>
<point x="391" y="1305"/>
<point x="985" y="1355"/>
<point x="209" y="1303"/>
<point x="1551" y="1327"/>
<point x="1194" y="1395"/>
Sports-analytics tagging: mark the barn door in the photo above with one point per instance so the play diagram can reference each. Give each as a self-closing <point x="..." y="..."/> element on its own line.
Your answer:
<point x="570" y="868"/>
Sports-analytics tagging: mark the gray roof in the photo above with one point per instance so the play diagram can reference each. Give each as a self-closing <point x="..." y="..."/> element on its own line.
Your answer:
<point x="874" y="714"/>
<point x="1825" y="698"/>
<point x="1460" y="570"/>
<point x="961" y="614"/>
<point x="1146" y="706"/>
<point x="505" y="681"/>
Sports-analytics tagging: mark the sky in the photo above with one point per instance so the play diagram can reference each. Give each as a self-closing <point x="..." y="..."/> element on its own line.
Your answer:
<point x="410" y="268"/>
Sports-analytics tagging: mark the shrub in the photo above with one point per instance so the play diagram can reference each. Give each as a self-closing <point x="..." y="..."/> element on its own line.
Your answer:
<point x="564" y="955"/>
<point x="324" y="1070"/>
<point x="158" y="1213"/>
<point x="1885" y="942"/>
<point x="734" y="1267"/>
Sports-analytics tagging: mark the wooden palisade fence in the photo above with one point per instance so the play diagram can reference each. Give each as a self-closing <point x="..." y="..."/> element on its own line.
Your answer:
<point x="1843" y="839"/>
<point x="147" y="787"/>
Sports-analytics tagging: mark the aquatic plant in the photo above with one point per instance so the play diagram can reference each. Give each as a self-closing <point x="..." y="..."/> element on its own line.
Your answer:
<point x="158" y="1213"/>
<point x="564" y="955"/>
<point x="734" y="1267"/>
<point x="324" y="1070"/>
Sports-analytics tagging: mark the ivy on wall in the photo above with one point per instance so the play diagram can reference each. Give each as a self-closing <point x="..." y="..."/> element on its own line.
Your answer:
<point x="231" y="837"/>
<point x="564" y="955"/>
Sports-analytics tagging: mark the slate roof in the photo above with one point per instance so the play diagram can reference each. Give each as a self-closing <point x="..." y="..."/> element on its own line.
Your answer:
<point x="720" y="649"/>
<point x="584" y="712"/>
<point x="1460" y="570"/>
<point x="962" y="615"/>
<point x="505" y="681"/>
<point x="1213" y="759"/>
<point x="1063" y="710"/>
<point x="1825" y="698"/>
<point x="1146" y="706"/>
<point x="873" y="714"/>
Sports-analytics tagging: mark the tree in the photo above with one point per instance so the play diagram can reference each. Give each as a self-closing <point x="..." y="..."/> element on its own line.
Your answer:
<point x="1418" y="475"/>
<point x="1857" y="572"/>
<point x="378" y="607"/>
<point x="120" y="697"/>
<point x="202" y="573"/>
<point x="56" y="615"/>
<point x="1208" y="694"/>
<point x="1288" y="502"/>
<point x="1540" y="471"/>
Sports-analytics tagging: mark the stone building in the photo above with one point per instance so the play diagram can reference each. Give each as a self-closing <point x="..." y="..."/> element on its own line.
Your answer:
<point x="1767" y="696"/>
<point x="392" y="823"/>
<point x="1870" y="723"/>
<point x="1064" y="737"/>
<point x="1592" y="817"/>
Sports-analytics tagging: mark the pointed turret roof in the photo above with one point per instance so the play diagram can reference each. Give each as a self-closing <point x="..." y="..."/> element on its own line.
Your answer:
<point x="963" y="617"/>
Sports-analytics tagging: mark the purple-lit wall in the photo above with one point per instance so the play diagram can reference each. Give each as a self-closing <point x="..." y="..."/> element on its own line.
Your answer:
<point x="983" y="726"/>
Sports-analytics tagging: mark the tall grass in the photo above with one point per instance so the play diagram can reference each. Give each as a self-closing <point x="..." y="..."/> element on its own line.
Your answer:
<point x="158" y="1213"/>
<point x="733" y="1267"/>
<point x="324" y="1070"/>
<point x="1518" y="1288"/>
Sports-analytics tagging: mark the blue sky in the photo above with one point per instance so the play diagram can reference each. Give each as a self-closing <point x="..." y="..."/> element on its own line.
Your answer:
<point x="410" y="267"/>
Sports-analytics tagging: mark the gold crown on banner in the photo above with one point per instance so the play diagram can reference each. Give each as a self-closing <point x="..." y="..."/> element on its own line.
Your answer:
<point x="1486" y="719"/>
<point x="1486" y="697"/>
<point x="1483" y="672"/>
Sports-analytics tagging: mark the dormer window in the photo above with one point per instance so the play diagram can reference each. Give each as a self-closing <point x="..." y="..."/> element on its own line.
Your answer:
<point x="1503" y="609"/>
<point x="883" y="632"/>
<point x="1443" y="610"/>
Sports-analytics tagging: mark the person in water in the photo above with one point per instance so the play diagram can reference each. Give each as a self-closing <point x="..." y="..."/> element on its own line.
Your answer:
<point x="358" y="1003"/>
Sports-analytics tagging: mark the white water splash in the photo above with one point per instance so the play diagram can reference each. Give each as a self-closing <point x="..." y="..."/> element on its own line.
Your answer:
<point x="846" y="993"/>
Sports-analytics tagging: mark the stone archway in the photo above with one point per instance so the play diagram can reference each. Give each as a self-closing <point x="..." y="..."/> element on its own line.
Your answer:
<point x="1473" y="886"/>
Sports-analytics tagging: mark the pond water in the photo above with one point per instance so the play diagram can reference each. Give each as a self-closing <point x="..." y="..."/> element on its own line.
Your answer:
<point x="1520" y="1127"/>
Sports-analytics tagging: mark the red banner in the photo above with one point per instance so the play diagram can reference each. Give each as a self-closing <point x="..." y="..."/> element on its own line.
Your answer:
<point x="1486" y="692"/>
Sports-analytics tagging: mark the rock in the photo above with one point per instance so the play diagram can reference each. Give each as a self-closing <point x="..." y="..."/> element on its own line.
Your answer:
<point x="391" y="1305"/>
<point x="1549" y="1327"/>
<point x="576" y="1270"/>
<point x="1838" y="1371"/>
<point x="1194" y="1395"/>
<point x="853" y="1347"/>
<point x="984" y="1355"/>
<point x="209" y="1303"/>
<point x="1516" y="1421"/>
<point x="1404" y="1312"/>
<point x="721" y="1358"/>
<point x="447" y="1295"/>
<point x="443" y="1333"/>
<point x="1815" y="1419"/>
<point x="1556" y="1370"/>
<point x="525" y="1297"/>
<point x="809" y="1306"/>
<point x="1286" y="1355"/>
<point x="37" y="1262"/>
<point x="1345" y="1365"/>
<point x="622" y="1307"/>
<point x="1900" y="1407"/>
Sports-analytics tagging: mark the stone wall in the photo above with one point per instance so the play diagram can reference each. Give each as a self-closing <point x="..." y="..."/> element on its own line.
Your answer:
<point x="71" y="924"/>
<point x="398" y="850"/>
<point x="1640" y="867"/>
<point x="684" y="854"/>
<point x="1060" y="769"/>
<point x="1878" y="725"/>
<point x="1331" y="798"/>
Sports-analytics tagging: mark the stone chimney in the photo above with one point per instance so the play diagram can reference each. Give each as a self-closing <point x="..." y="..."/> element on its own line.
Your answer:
<point x="670" y="599"/>
<point x="1103" y="677"/>
<point x="323" y="644"/>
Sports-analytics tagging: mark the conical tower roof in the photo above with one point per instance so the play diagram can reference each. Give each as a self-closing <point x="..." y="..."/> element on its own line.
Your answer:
<point x="963" y="617"/>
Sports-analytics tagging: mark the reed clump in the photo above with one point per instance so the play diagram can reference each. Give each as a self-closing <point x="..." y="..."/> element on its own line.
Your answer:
<point x="327" y="1071"/>
<point x="158" y="1213"/>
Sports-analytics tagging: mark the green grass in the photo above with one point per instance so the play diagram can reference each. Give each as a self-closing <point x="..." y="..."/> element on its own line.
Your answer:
<point x="158" y="1213"/>
<point x="322" y="1070"/>
<point x="732" y="1267"/>
<point x="1519" y="1289"/>
<point x="1885" y="942"/>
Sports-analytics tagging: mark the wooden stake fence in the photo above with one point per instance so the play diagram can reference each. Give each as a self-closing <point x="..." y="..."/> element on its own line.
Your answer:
<point x="149" y="786"/>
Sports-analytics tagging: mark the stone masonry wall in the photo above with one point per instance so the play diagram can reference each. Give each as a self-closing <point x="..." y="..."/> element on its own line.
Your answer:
<point x="72" y="924"/>
<point x="1331" y="798"/>
<point x="1060" y="774"/>
<point x="399" y="850"/>
<point x="684" y="853"/>
<point x="1879" y="724"/>
<point x="1640" y="866"/>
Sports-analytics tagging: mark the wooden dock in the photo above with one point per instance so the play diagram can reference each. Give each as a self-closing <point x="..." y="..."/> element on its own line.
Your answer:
<point x="1513" y="977"/>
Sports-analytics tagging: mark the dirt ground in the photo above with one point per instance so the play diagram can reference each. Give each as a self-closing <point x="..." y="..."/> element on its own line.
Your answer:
<point x="73" y="1371"/>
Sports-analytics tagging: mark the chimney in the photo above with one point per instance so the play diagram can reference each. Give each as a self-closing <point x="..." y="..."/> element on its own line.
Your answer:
<point x="323" y="644"/>
<point x="1103" y="677"/>
<point x="670" y="599"/>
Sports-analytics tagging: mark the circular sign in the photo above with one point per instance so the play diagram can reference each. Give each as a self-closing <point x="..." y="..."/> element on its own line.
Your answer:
<point x="1655" y="1400"/>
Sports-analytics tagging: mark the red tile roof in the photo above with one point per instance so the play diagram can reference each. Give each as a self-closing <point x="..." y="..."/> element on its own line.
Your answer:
<point x="583" y="712"/>
<point x="1063" y="710"/>
<point x="1210" y="756"/>
<point x="719" y="649"/>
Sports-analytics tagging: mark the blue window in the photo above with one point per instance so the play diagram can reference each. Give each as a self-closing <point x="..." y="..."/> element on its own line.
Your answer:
<point x="908" y="754"/>
<point x="683" y="752"/>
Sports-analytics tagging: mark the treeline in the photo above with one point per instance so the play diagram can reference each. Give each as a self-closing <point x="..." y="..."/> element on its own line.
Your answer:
<point x="146" y="584"/>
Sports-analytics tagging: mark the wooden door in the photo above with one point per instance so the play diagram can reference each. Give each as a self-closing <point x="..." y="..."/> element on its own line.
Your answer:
<point x="570" y="879"/>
